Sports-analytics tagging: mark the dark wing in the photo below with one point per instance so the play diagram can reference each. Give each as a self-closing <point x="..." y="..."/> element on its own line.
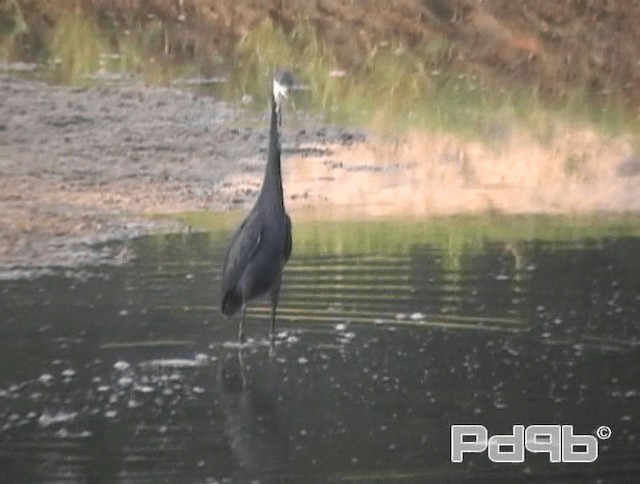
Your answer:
<point x="242" y="249"/>
<point x="288" y="245"/>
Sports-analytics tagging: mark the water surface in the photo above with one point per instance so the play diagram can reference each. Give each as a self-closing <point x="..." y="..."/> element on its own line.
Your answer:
<point x="388" y="334"/>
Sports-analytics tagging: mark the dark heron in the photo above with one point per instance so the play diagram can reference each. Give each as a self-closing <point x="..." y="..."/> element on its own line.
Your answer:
<point x="261" y="246"/>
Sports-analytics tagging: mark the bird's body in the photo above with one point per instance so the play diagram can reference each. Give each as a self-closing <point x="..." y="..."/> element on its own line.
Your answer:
<point x="261" y="246"/>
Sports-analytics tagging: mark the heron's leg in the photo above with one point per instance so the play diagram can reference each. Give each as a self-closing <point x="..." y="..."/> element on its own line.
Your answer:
<point x="275" y="294"/>
<point x="272" y="329"/>
<point x="241" y="325"/>
<point x="241" y="364"/>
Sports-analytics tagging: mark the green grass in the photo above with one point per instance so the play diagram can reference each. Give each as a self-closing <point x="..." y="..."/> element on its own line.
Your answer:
<point x="76" y="45"/>
<point x="455" y="235"/>
<point x="13" y="28"/>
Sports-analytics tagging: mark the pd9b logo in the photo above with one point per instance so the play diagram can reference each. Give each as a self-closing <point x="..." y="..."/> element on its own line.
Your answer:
<point x="558" y="441"/>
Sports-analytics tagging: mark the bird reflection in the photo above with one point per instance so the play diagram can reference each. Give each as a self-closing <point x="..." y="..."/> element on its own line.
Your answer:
<point x="258" y="432"/>
<point x="102" y="446"/>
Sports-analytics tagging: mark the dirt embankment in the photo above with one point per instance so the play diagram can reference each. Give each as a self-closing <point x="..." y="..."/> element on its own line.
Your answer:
<point x="558" y="48"/>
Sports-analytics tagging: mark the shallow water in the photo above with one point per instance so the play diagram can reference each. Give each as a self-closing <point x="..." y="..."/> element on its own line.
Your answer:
<point x="130" y="373"/>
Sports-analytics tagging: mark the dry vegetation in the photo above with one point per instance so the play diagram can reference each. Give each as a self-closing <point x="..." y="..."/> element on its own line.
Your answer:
<point x="557" y="48"/>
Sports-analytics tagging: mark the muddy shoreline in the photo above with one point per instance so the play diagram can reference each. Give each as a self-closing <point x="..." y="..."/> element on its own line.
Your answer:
<point x="84" y="165"/>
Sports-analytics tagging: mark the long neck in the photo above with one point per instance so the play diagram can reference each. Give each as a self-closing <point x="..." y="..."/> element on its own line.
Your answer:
<point x="271" y="192"/>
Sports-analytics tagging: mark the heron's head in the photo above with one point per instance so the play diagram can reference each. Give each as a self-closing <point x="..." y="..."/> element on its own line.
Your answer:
<point x="282" y="82"/>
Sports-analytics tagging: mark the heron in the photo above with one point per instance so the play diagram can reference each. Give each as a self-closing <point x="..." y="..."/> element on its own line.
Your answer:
<point x="261" y="245"/>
